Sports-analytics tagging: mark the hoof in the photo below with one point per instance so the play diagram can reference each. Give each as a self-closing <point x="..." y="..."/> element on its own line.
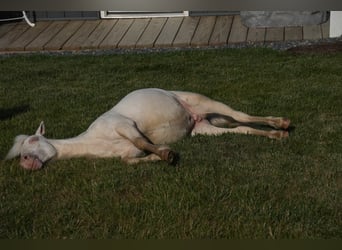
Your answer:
<point x="286" y="123"/>
<point x="284" y="134"/>
<point x="276" y="134"/>
<point x="173" y="158"/>
<point x="170" y="157"/>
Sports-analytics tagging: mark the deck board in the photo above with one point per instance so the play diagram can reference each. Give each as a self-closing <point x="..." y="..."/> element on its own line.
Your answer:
<point x="63" y="35"/>
<point x="325" y="29"/>
<point x="168" y="34"/>
<point x="13" y="34"/>
<point x="193" y="31"/>
<point x="151" y="33"/>
<point x="81" y="35"/>
<point x="221" y="30"/>
<point x="312" y="32"/>
<point x="238" y="32"/>
<point x="274" y="34"/>
<point x="115" y="35"/>
<point x="133" y="34"/>
<point x="203" y="31"/>
<point x="4" y="28"/>
<point x="99" y="33"/>
<point x="186" y="31"/>
<point x="256" y="35"/>
<point x="44" y="37"/>
<point x="293" y="33"/>
<point x="28" y="36"/>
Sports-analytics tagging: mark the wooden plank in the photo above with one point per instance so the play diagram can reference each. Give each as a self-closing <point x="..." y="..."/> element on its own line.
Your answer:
<point x="169" y="31"/>
<point x="7" y="39"/>
<point x="186" y="31"/>
<point x="238" y="33"/>
<point x="81" y="35"/>
<point x="4" y="28"/>
<point x="133" y="34"/>
<point x="221" y="30"/>
<point x="44" y="37"/>
<point x="293" y="33"/>
<point x="28" y="36"/>
<point x="115" y="35"/>
<point x="204" y="31"/>
<point x="274" y="34"/>
<point x="65" y="33"/>
<point x="151" y="33"/>
<point x="256" y="35"/>
<point x="97" y="36"/>
<point x="312" y="32"/>
<point x="325" y="29"/>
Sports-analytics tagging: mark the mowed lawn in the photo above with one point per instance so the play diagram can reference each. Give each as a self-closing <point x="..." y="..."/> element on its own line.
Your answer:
<point x="230" y="186"/>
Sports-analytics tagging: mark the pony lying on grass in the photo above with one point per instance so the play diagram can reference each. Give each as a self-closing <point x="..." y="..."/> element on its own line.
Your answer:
<point x="141" y="125"/>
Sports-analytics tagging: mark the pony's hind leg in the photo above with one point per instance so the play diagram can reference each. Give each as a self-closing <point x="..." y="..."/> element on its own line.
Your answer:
<point x="219" y="108"/>
<point x="205" y="128"/>
<point x="200" y="104"/>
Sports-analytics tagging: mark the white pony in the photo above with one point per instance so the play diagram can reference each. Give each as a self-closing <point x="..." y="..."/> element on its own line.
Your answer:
<point x="141" y="125"/>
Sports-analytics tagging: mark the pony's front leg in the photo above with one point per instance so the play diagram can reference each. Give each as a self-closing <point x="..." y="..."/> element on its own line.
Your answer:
<point x="129" y="131"/>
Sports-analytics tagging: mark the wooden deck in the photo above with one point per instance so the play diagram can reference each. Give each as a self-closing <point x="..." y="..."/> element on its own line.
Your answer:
<point x="146" y="33"/>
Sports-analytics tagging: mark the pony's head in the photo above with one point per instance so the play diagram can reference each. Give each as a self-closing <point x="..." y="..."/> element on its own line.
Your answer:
<point x="33" y="150"/>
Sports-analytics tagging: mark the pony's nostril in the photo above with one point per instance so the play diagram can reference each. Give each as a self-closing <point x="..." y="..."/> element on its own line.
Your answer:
<point x="25" y="157"/>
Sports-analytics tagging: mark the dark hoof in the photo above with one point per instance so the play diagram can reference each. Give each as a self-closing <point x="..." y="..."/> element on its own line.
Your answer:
<point x="173" y="158"/>
<point x="286" y="123"/>
<point x="170" y="156"/>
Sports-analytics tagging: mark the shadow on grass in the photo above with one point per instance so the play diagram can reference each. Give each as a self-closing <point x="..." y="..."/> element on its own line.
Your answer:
<point x="9" y="113"/>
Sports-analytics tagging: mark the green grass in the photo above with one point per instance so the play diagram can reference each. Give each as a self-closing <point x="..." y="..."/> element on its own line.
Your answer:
<point x="231" y="186"/>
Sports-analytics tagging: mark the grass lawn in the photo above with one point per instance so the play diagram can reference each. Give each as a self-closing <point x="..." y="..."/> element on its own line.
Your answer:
<point x="230" y="186"/>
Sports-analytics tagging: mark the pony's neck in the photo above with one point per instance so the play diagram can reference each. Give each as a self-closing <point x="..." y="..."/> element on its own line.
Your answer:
<point x="78" y="146"/>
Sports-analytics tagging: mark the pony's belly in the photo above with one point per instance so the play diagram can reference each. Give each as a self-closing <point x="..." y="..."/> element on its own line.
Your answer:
<point x="158" y="114"/>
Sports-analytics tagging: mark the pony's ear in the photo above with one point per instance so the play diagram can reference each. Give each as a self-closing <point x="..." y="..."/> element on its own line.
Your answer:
<point x="15" y="150"/>
<point x="41" y="129"/>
